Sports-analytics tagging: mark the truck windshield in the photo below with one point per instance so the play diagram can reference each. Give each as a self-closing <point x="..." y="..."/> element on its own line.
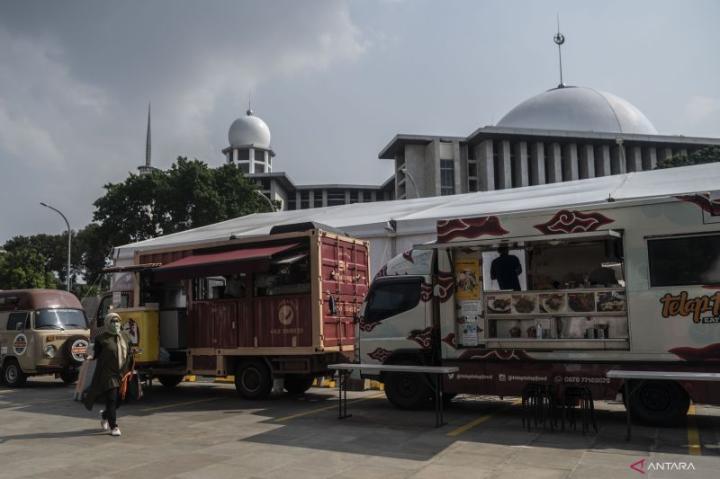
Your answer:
<point x="60" y="319"/>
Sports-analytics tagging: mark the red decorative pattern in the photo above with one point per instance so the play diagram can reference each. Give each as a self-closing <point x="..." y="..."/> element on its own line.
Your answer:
<point x="446" y="286"/>
<point x="425" y="292"/>
<point x="450" y="340"/>
<point x="407" y="256"/>
<point x="711" y="352"/>
<point x="367" y="327"/>
<point x="422" y="337"/>
<point x="708" y="205"/>
<point x="469" y="228"/>
<point x="501" y="354"/>
<point x="566" y="221"/>
<point x="380" y="354"/>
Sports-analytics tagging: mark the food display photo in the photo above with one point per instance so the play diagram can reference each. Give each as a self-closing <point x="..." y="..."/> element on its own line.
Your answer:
<point x="611" y="301"/>
<point x="499" y="303"/>
<point x="581" y="302"/>
<point x="552" y="302"/>
<point x="524" y="303"/>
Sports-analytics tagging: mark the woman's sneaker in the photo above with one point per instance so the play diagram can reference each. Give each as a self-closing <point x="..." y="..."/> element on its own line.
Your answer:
<point x="104" y="424"/>
<point x="115" y="432"/>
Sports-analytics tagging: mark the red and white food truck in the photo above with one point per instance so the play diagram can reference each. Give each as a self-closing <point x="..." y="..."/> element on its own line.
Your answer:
<point x="583" y="289"/>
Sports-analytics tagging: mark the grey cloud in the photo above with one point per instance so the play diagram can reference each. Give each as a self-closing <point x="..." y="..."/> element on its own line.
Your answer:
<point x="76" y="77"/>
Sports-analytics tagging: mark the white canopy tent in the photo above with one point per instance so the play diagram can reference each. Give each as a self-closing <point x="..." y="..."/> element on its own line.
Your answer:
<point x="394" y="226"/>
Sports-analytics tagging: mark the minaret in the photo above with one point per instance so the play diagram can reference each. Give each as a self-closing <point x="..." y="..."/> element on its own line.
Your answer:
<point x="559" y="39"/>
<point x="147" y="167"/>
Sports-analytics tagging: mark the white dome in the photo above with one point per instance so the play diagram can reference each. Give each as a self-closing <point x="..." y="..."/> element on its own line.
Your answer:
<point x="249" y="130"/>
<point x="578" y="109"/>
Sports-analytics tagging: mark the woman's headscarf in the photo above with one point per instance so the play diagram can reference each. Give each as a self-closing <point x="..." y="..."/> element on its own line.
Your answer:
<point x="122" y="341"/>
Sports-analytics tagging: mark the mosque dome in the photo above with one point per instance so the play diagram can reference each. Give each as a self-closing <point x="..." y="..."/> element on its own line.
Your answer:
<point x="578" y="109"/>
<point x="249" y="130"/>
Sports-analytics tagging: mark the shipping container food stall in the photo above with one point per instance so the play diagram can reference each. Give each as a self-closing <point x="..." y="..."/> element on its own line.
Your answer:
<point x="277" y="306"/>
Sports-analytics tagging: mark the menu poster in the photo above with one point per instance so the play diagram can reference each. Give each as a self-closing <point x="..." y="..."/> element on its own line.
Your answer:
<point x="467" y="279"/>
<point x="469" y="334"/>
<point x="470" y="311"/>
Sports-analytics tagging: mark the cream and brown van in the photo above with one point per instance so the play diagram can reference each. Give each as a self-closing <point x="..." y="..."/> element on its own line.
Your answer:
<point x="42" y="331"/>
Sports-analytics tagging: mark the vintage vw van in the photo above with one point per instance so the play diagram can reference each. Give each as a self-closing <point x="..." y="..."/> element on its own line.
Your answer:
<point x="42" y="331"/>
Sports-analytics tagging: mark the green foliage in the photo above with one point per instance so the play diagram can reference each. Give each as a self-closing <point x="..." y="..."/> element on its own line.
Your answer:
<point x="708" y="154"/>
<point x="188" y="195"/>
<point x="25" y="267"/>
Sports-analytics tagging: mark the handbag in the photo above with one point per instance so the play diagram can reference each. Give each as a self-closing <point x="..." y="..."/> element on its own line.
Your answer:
<point x="131" y="387"/>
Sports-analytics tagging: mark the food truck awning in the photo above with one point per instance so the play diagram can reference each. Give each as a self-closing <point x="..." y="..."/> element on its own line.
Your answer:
<point x="226" y="262"/>
<point x="491" y="243"/>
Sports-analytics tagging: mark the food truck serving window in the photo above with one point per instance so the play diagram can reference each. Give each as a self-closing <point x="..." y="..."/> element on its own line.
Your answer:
<point x="684" y="261"/>
<point x="392" y="296"/>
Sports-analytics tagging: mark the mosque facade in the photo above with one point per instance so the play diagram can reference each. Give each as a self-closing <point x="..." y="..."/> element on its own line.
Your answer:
<point x="566" y="133"/>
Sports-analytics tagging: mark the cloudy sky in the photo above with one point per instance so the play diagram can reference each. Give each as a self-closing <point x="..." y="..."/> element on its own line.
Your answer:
<point x="335" y="80"/>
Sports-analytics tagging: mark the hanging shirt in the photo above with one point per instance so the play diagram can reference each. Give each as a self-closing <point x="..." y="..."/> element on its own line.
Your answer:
<point x="506" y="269"/>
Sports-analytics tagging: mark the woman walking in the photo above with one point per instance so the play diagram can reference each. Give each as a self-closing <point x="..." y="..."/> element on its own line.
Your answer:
<point x="113" y="360"/>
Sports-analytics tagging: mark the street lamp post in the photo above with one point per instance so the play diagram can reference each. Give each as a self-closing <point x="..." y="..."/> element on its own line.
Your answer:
<point x="67" y="278"/>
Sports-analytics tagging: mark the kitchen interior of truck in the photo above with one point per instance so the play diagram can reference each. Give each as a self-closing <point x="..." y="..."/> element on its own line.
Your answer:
<point x="559" y="293"/>
<point x="225" y="292"/>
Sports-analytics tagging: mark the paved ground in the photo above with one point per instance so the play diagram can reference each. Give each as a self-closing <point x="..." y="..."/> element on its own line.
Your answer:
<point x="206" y="431"/>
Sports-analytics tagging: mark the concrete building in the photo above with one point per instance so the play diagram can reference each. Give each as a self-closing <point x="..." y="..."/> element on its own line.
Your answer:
<point x="566" y="133"/>
<point x="563" y="134"/>
<point x="250" y="149"/>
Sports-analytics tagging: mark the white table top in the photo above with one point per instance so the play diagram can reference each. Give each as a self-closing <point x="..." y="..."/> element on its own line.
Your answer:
<point x="678" y="375"/>
<point x="406" y="368"/>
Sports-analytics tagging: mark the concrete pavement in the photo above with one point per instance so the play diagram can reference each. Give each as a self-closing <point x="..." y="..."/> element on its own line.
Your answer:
<point x="203" y="430"/>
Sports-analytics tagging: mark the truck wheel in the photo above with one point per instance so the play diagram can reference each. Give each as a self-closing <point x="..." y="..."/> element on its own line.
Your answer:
<point x="70" y="376"/>
<point x="12" y="375"/>
<point x="170" y="381"/>
<point x="406" y="390"/>
<point x="253" y="380"/>
<point x="298" y="383"/>
<point x="659" y="403"/>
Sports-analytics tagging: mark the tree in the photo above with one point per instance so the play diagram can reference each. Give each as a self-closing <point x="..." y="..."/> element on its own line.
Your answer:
<point x="24" y="267"/>
<point x="707" y="154"/>
<point x="188" y="195"/>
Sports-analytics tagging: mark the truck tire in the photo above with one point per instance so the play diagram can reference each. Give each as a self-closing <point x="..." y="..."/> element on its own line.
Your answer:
<point x="253" y="379"/>
<point x="70" y="376"/>
<point x="170" y="382"/>
<point x="12" y="375"/>
<point x="407" y="391"/>
<point x="659" y="403"/>
<point x="298" y="383"/>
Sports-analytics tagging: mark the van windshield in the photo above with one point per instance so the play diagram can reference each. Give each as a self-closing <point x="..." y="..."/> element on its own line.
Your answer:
<point x="60" y="319"/>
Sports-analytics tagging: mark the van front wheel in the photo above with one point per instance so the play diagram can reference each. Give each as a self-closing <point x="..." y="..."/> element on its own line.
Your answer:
<point x="12" y="375"/>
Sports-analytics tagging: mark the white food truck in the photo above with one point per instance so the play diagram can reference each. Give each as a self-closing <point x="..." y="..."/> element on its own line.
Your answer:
<point x="557" y="296"/>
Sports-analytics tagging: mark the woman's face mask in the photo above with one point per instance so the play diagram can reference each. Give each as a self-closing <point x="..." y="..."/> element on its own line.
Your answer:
<point x="115" y="327"/>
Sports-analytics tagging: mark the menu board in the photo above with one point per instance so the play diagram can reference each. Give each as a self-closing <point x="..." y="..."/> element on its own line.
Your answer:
<point x="555" y="303"/>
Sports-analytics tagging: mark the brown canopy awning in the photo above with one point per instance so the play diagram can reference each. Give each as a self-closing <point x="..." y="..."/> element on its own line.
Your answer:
<point x="226" y="262"/>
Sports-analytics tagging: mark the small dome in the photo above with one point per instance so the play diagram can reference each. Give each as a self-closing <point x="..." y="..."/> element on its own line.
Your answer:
<point x="578" y="109"/>
<point x="249" y="130"/>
